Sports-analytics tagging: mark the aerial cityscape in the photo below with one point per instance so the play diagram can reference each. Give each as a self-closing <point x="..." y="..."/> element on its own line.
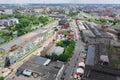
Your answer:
<point x="60" y="40"/>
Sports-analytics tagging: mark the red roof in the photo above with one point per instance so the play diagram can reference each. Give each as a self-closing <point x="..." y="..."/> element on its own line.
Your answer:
<point x="79" y="74"/>
<point x="77" y="21"/>
<point x="71" y="36"/>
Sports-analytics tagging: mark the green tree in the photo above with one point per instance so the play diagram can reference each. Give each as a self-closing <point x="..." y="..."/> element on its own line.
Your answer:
<point x="2" y="78"/>
<point x="43" y="19"/>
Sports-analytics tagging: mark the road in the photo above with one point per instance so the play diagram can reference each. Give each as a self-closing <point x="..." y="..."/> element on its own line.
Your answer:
<point x="74" y="60"/>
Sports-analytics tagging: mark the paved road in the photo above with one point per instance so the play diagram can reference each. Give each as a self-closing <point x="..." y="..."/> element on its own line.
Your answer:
<point x="74" y="60"/>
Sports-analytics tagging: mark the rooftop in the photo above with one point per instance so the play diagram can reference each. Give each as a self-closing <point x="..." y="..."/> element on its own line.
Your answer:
<point x="58" y="50"/>
<point x="101" y="76"/>
<point x="90" y="55"/>
<point x="98" y="33"/>
<point x="88" y="33"/>
<point x="48" y="72"/>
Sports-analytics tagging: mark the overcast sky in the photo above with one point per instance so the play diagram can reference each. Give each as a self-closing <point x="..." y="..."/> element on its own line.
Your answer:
<point x="61" y="1"/>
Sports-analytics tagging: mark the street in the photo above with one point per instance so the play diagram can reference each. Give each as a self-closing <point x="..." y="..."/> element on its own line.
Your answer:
<point x="75" y="59"/>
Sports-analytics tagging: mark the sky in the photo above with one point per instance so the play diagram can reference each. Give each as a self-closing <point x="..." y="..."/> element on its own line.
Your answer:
<point x="61" y="1"/>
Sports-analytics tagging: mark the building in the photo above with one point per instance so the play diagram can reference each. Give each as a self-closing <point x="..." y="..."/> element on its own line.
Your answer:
<point x="40" y="68"/>
<point x="88" y="35"/>
<point x="93" y="35"/>
<point x="6" y="22"/>
<point x="38" y="10"/>
<point x="57" y="16"/>
<point x="81" y="25"/>
<point x="101" y="37"/>
<point x="9" y="22"/>
<point x="71" y="36"/>
<point x="47" y="50"/>
<point x="14" y="21"/>
<point x="8" y="11"/>
<point x="97" y="64"/>
<point x="58" y="50"/>
<point x="65" y="23"/>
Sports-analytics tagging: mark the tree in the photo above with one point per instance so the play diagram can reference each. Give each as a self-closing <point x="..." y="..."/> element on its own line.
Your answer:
<point x="69" y="47"/>
<point x="7" y="62"/>
<point x="20" y="32"/>
<point x="56" y="29"/>
<point x="43" y="19"/>
<point x="72" y="13"/>
<point x="24" y="22"/>
<point x="2" y="78"/>
<point x="35" y="22"/>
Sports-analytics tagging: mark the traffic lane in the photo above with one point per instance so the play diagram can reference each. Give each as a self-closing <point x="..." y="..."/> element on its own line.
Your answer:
<point x="73" y="62"/>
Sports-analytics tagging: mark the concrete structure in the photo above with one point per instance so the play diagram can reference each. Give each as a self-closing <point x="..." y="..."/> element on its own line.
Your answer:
<point x="50" y="72"/>
<point x="58" y="50"/>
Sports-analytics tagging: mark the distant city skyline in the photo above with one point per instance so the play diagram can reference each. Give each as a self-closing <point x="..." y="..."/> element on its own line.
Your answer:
<point x="60" y="1"/>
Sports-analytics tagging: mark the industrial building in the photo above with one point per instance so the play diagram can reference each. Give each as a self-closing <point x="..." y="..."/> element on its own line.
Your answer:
<point x="98" y="65"/>
<point x="40" y="68"/>
<point x="96" y="36"/>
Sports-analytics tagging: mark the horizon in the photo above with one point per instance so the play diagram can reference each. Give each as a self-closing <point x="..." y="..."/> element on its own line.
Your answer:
<point x="64" y="3"/>
<point x="60" y="2"/>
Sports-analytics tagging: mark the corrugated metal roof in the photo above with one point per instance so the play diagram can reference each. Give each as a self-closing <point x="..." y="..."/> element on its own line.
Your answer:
<point x="42" y="61"/>
<point x="90" y="55"/>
